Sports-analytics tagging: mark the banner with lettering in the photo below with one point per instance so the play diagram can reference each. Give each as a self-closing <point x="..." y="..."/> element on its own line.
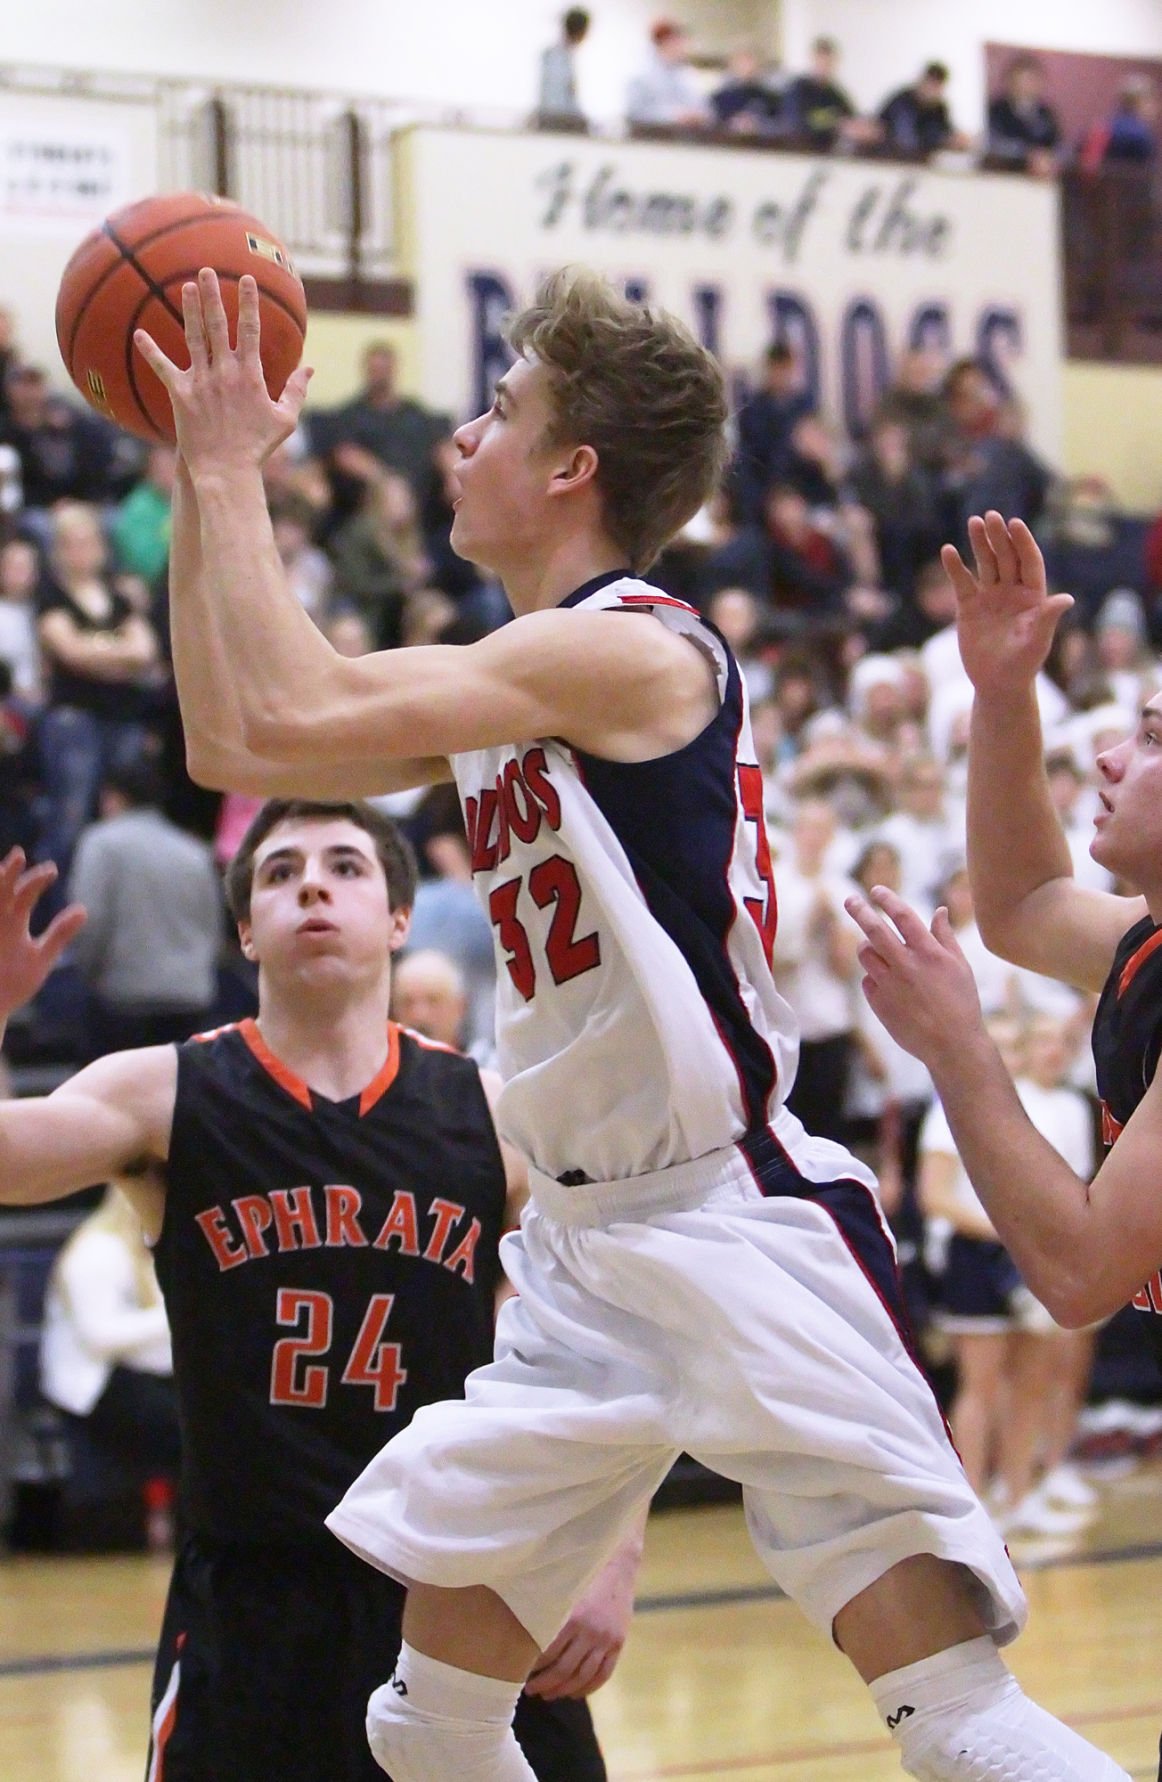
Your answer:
<point x="851" y="261"/>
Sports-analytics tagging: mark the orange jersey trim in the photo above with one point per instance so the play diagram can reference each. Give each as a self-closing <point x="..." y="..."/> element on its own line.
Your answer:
<point x="295" y="1086"/>
<point x="1136" y="960"/>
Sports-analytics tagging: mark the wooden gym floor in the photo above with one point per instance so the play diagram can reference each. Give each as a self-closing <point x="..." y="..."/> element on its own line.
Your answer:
<point x="721" y="1678"/>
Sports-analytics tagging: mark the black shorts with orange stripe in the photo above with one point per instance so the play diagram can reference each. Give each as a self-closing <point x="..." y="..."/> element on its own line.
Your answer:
<point x="266" y="1660"/>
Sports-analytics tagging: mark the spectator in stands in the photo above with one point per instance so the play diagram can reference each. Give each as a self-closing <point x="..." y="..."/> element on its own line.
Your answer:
<point x="100" y="653"/>
<point x="1129" y="134"/>
<point x="19" y="580"/>
<point x="429" y="994"/>
<point x="916" y="119"/>
<point x="9" y="357"/>
<point x="1125" y="661"/>
<point x="902" y="503"/>
<point x="149" y="950"/>
<point x="766" y="423"/>
<point x="65" y="453"/>
<point x="447" y="917"/>
<point x="141" y="525"/>
<point x="786" y="560"/>
<point x="557" y="103"/>
<point x="394" y="431"/>
<point x="105" y="1358"/>
<point x="378" y="555"/>
<point x="1022" y="126"/>
<point x="916" y="401"/>
<point x="17" y="774"/>
<point x="821" y="111"/>
<point x="667" y="91"/>
<point x="817" y="970"/>
<point x="987" y="466"/>
<point x="749" y="103"/>
<point x="921" y="830"/>
<point x="308" y="569"/>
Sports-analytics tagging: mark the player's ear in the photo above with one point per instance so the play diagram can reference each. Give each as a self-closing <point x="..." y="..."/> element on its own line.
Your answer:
<point x="246" y="941"/>
<point x="576" y="466"/>
<point x="401" y="921"/>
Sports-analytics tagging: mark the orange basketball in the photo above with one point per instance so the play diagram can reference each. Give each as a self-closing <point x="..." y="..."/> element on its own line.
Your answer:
<point x="129" y="274"/>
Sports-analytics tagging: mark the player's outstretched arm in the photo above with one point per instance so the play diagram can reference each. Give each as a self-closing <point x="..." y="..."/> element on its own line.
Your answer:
<point x="219" y="570"/>
<point x="106" y="1120"/>
<point x="299" y="702"/>
<point x="1029" y="908"/>
<point x="216" y="750"/>
<point x="1084" y="1249"/>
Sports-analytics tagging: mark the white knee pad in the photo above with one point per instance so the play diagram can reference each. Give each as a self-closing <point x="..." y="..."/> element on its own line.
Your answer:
<point x="960" y="1716"/>
<point x="432" y="1722"/>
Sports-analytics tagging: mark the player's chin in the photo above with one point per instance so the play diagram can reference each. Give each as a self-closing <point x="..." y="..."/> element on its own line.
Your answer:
<point x="465" y="543"/>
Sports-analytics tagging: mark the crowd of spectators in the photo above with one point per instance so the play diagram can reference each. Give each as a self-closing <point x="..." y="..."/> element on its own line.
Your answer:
<point x="675" y="91"/>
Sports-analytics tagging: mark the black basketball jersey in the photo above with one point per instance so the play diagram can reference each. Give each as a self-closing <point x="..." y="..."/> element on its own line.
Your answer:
<point x="1127" y="1044"/>
<point x="327" y="1267"/>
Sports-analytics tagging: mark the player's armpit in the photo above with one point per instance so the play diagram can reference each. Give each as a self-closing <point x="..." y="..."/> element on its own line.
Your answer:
<point x="110" y="1120"/>
<point x="1124" y="1250"/>
<point x="613" y="683"/>
<point x="1064" y="930"/>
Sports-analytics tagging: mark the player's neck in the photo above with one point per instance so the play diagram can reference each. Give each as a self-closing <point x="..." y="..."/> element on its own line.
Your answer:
<point x="536" y="586"/>
<point x="336" y="1043"/>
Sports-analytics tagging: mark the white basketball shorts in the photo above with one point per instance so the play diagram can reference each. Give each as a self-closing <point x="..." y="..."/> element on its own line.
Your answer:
<point x="741" y="1308"/>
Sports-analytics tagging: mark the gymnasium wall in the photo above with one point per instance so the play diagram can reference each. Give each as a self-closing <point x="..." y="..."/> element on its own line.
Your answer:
<point x="460" y="53"/>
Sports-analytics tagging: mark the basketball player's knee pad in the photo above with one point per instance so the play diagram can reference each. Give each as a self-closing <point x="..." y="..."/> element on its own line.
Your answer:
<point x="960" y="1716"/>
<point x="432" y="1722"/>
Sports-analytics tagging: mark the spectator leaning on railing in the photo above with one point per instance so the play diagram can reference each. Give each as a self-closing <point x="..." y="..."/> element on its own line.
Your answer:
<point x="666" y="91"/>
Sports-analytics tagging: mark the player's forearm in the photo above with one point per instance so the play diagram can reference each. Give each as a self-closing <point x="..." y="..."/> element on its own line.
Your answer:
<point x="213" y="729"/>
<point x="1015" y="842"/>
<point x="277" y="662"/>
<point x="1041" y="1211"/>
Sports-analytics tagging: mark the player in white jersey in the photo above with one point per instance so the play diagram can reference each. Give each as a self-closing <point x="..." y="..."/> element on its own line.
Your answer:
<point x="695" y="1272"/>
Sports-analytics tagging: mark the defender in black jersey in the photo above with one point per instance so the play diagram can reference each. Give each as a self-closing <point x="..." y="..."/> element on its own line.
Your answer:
<point x="325" y="1194"/>
<point x="1084" y="1249"/>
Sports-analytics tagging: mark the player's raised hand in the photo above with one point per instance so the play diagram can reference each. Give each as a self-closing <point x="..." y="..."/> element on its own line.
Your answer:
<point x="916" y="979"/>
<point x="1005" y="615"/>
<point x="25" y="960"/>
<point x="224" y="415"/>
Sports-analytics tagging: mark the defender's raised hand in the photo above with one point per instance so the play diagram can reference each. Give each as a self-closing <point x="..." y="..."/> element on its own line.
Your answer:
<point x="223" y="412"/>
<point x="1005" y="615"/>
<point x="917" y="980"/>
<point x="25" y="960"/>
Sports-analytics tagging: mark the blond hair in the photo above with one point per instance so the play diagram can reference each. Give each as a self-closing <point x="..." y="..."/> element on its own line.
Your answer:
<point x="634" y="384"/>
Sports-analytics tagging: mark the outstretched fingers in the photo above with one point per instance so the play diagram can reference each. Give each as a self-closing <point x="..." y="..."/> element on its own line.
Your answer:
<point x="1001" y="544"/>
<point x="28" y="888"/>
<point x="166" y="370"/>
<point x="249" y="321"/>
<point x="213" y="313"/>
<point x="61" y="930"/>
<point x="195" y="326"/>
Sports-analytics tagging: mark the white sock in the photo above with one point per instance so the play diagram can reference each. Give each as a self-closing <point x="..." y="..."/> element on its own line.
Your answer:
<point x="960" y="1716"/>
<point x="433" y="1722"/>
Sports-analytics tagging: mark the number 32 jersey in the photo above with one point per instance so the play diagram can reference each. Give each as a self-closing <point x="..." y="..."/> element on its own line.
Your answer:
<point x="633" y="911"/>
<point x="327" y="1267"/>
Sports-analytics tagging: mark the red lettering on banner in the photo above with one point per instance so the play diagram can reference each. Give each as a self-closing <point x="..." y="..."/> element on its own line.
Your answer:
<point x="252" y="1212"/>
<point x="446" y="1214"/>
<point x="227" y="1254"/>
<point x="294" y="1219"/>
<point x="343" y="1205"/>
<point x="400" y="1227"/>
<point x="464" y="1254"/>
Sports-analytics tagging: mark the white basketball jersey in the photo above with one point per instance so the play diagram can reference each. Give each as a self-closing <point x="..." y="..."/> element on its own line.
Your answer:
<point x="633" y="908"/>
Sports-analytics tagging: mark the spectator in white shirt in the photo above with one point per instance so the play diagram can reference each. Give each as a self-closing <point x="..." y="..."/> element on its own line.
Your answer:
<point x="667" y="90"/>
<point x="19" y="576"/>
<point x="105" y="1357"/>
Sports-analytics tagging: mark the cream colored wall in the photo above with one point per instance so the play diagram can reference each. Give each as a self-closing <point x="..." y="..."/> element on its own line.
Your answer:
<point x="1113" y="429"/>
<point x="335" y="346"/>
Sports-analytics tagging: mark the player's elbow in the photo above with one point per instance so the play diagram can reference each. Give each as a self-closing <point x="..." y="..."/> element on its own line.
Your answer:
<point x="1074" y="1300"/>
<point x="206" y="767"/>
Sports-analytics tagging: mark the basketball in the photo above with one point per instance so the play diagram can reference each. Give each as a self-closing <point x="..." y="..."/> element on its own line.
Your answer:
<point x="129" y="274"/>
